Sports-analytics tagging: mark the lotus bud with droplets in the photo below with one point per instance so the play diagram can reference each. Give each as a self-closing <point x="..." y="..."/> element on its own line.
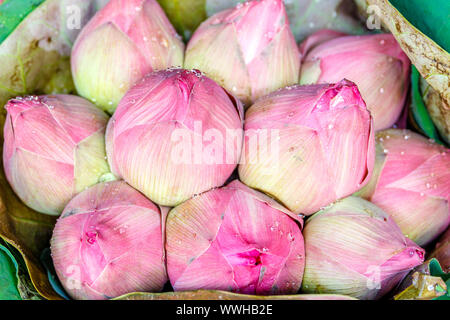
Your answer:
<point x="308" y="146"/>
<point x="54" y="148"/>
<point x="175" y="134"/>
<point x="356" y="249"/>
<point x="108" y="242"/>
<point x="376" y="63"/>
<point x="236" y="239"/>
<point x="411" y="182"/>
<point x="124" y="41"/>
<point x="248" y="49"/>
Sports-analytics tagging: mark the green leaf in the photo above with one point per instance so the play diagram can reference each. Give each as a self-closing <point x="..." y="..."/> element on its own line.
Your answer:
<point x="24" y="284"/>
<point x="436" y="270"/>
<point x="9" y="273"/>
<point x="419" y="110"/>
<point x="430" y="17"/>
<point x="12" y="12"/>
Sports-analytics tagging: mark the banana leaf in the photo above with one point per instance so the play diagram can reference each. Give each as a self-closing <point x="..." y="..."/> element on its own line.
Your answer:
<point x="15" y="283"/>
<point x="9" y="274"/>
<point x="224" y="295"/>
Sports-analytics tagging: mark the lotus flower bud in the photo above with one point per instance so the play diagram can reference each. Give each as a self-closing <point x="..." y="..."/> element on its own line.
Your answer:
<point x="411" y="182"/>
<point x="54" y="148"/>
<point x="175" y="134"/>
<point x="254" y="46"/>
<point x="376" y="63"/>
<point x="356" y="249"/>
<point x="234" y="239"/>
<point x="108" y="242"/>
<point x="124" y="41"/>
<point x="308" y="146"/>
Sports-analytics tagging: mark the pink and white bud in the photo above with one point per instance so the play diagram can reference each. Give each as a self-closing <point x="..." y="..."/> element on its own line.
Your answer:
<point x="249" y="49"/>
<point x="124" y="41"/>
<point x="108" y="242"/>
<point x="324" y="149"/>
<point x="235" y="239"/>
<point x="411" y="182"/>
<point x="175" y="134"/>
<point x="376" y="63"/>
<point x="54" y="148"/>
<point x="356" y="249"/>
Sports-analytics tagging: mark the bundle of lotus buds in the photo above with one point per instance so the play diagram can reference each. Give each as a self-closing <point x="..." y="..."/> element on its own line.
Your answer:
<point x="273" y="148"/>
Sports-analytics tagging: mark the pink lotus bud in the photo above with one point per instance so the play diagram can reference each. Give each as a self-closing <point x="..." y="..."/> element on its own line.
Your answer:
<point x="411" y="182"/>
<point x="108" y="242"/>
<point x="175" y="134"/>
<point x="376" y="63"/>
<point x="124" y="41"/>
<point x="308" y="146"/>
<point x="249" y="49"/>
<point x="356" y="249"/>
<point x="235" y="239"/>
<point x="54" y="148"/>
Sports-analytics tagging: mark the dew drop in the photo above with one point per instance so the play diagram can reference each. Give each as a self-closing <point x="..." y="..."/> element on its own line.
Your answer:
<point x="291" y="237"/>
